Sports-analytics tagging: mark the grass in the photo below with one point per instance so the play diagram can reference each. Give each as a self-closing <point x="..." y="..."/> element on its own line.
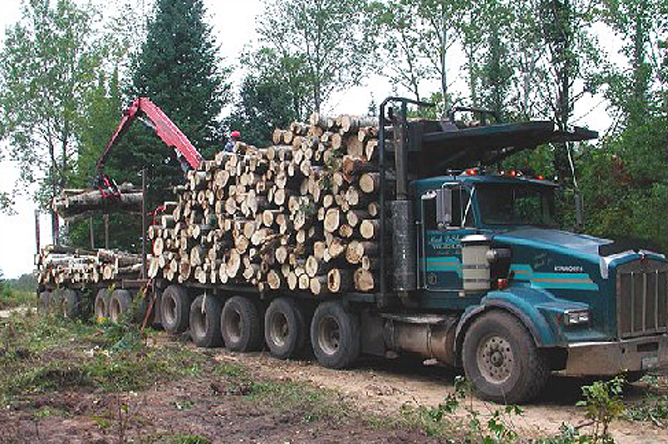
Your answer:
<point x="39" y="354"/>
<point x="10" y="298"/>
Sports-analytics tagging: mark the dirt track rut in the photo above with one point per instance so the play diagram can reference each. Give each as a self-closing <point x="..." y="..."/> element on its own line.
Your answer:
<point x="383" y="386"/>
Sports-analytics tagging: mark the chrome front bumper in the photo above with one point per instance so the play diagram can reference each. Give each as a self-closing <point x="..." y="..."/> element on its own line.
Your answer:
<point x="611" y="358"/>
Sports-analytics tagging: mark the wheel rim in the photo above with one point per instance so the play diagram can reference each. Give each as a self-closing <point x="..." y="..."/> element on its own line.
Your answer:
<point x="114" y="310"/>
<point x="100" y="308"/>
<point x="234" y="325"/>
<point x="279" y="329"/>
<point x="170" y="311"/>
<point x="199" y="323"/>
<point x="495" y="359"/>
<point x="329" y="335"/>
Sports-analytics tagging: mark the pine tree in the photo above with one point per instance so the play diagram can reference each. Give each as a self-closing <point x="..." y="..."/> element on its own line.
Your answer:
<point x="178" y="68"/>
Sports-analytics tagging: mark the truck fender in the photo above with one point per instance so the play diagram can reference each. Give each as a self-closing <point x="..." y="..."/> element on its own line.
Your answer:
<point x="528" y="314"/>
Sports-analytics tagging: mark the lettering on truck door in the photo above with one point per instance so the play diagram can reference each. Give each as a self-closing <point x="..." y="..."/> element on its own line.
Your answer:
<point x="442" y="230"/>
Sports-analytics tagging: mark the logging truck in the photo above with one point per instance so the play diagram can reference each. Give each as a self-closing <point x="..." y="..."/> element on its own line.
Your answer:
<point x="397" y="236"/>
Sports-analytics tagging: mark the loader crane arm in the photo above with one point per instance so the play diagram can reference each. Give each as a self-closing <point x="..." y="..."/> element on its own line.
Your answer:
<point x="155" y="118"/>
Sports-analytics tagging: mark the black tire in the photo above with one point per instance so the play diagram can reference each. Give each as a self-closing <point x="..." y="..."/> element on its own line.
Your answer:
<point x="143" y="307"/>
<point x="119" y="304"/>
<point x="175" y="309"/>
<point x="44" y="301"/>
<point x="285" y="330"/>
<point x="205" y="322"/>
<point x="70" y="301"/>
<point x="335" y="335"/>
<point x="502" y="361"/>
<point x="101" y="307"/>
<point x="241" y="325"/>
<point x="635" y="376"/>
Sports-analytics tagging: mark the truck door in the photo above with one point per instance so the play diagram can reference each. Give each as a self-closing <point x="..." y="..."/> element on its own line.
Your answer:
<point x="447" y="216"/>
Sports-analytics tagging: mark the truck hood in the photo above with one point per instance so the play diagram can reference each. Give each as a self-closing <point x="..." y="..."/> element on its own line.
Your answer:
<point x="604" y="253"/>
<point x="558" y="239"/>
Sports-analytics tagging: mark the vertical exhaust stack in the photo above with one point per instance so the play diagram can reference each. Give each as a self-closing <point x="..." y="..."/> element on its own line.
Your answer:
<point x="403" y="233"/>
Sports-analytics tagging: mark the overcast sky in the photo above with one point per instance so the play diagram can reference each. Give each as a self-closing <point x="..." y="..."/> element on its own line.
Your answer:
<point x="233" y="23"/>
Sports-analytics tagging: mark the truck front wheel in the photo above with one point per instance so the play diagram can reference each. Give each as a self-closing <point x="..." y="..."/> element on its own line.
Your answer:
<point x="284" y="328"/>
<point x="241" y="325"/>
<point x="335" y="335"/>
<point x="175" y="308"/>
<point x="502" y="361"/>
<point x="205" y="321"/>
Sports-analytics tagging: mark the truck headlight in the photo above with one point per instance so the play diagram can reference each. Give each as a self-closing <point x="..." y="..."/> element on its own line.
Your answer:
<point x="576" y="317"/>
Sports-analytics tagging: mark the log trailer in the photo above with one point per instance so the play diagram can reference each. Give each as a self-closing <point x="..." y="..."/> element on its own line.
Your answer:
<point x="474" y="274"/>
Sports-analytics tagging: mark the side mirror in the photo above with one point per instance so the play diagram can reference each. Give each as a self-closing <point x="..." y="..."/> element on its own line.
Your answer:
<point x="444" y="207"/>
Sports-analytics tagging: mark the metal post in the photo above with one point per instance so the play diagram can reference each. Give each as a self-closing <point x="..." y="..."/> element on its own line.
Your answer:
<point x="143" y="223"/>
<point x="92" y="233"/>
<point x="106" y="231"/>
<point x="37" y="233"/>
<point x="381" y="161"/>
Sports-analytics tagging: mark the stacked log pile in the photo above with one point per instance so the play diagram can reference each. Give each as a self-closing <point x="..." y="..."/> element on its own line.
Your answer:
<point x="75" y="203"/>
<point x="302" y="214"/>
<point x="60" y="265"/>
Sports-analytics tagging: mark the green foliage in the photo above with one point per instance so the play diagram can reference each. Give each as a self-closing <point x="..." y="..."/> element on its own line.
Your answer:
<point x="178" y="68"/>
<point x="652" y="408"/>
<point x="603" y="404"/>
<point x="272" y="95"/>
<point x="47" y="67"/>
<point x="447" y="419"/>
<point x="327" y="39"/>
<point x="41" y="353"/>
<point x="191" y="439"/>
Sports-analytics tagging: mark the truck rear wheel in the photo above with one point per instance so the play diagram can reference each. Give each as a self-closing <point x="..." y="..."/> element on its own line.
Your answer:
<point x="205" y="314"/>
<point x="241" y="325"/>
<point x="70" y="301"/>
<point x="175" y="309"/>
<point x="101" y="307"/>
<point x="119" y="303"/>
<point x="44" y="300"/>
<point x="284" y="328"/>
<point x="502" y="361"/>
<point x="335" y="335"/>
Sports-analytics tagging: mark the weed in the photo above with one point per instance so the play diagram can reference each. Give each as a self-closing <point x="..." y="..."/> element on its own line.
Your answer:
<point x="603" y="404"/>
<point x="653" y="408"/>
<point x="190" y="439"/>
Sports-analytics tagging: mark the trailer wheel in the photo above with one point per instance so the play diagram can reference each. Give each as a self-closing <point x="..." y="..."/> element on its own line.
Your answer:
<point x="102" y="303"/>
<point x="205" y="314"/>
<point x="44" y="300"/>
<point x="284" y="328"/>
<point x="120" y="302"/>
<point x="335" y="335"/>
<point x="71" y="304"/>
<point x="241" y="325"/>
<point x="175" y="309"/>
<point x="502" y="361"/>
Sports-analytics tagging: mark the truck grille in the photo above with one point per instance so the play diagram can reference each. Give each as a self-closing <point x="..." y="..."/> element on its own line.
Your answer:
<point x="642" y="298"/>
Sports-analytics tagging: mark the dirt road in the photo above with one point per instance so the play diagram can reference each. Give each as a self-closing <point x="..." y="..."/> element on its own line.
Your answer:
<point x="383" y="386"/>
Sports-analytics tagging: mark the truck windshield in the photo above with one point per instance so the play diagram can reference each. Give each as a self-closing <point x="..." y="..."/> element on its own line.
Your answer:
<point x="516" y="204"/>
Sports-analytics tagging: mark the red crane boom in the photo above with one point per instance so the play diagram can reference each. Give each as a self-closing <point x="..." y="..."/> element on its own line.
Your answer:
<point x="164" y="128"/>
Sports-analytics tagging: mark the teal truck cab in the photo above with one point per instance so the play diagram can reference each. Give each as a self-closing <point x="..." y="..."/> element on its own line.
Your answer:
<point x="479" y="276"/>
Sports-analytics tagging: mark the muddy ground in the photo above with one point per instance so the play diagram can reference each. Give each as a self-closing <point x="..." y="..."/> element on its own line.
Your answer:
<point x="268" y="405"/>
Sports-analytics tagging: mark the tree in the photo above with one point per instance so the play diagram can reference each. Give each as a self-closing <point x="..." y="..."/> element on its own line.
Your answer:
<point x="442" y="28"/>
<point x="178" y="68"/>
<point x="47" y="66"/>
<point x="398" y="40"/>
<point x="271" y="96"/>
<point x="328" y="36"/>
<point x="572" y="58"/>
